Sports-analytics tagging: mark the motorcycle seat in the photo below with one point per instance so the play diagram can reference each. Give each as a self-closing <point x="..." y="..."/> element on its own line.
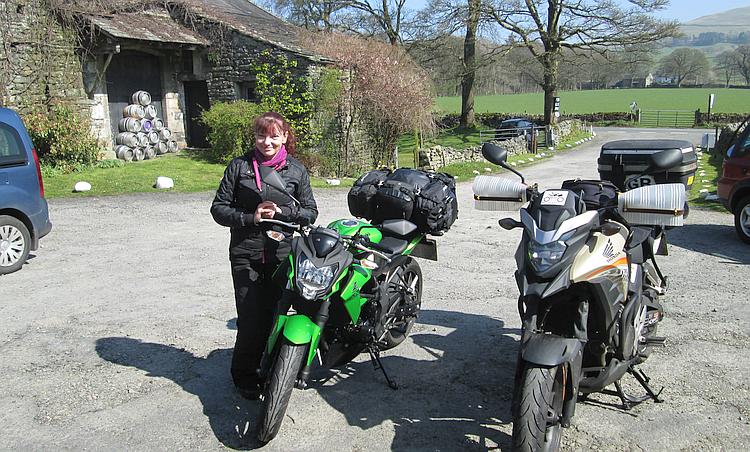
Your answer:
<point x="402" y="229"/>
<point x="393" y="245"/>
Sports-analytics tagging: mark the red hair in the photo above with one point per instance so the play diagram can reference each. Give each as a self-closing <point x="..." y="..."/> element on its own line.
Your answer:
<point x="271" y="122"/>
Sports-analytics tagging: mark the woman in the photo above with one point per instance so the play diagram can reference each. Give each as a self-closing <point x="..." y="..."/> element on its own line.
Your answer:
<point x="256" y="248"/>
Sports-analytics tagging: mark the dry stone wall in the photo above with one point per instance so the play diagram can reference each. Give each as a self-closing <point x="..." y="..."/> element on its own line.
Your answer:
<point x="439" y="156"/>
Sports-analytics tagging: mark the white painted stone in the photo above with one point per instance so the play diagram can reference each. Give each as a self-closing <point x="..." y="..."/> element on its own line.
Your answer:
<point x="712" y="198"/>
<point x="333" y="182"/>
<point x="703" y="190"/>
<point x="487" y="169"/>
<point x="163" y="182"/>
<point x="81" y="186"/>
<point x="476" y="172"/>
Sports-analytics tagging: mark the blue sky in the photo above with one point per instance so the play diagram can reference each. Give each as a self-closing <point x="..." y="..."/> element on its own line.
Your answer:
<point x="681" y="10"/>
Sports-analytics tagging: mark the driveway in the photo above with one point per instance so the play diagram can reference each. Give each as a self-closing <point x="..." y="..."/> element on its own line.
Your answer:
<point x="117" y="335"/>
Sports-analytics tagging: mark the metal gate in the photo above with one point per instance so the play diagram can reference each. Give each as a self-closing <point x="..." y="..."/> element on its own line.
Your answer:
<point x="666" y="118"/>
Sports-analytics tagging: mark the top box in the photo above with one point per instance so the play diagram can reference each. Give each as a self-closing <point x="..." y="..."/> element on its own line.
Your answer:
<point x="620" y="160"/>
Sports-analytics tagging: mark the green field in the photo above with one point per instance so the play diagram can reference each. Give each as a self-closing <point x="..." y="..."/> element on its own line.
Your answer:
<point x="611" y="100"/>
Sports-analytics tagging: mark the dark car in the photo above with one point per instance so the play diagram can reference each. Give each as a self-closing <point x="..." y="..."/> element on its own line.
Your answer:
<point x="515" y="127"/>
<point x="24" y="218"/>
<point x="733" y="186"/>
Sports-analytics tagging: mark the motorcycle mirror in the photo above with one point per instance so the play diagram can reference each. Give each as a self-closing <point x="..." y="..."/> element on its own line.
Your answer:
<point x="494" y="153"/>
<point x="273" y="179"/>
<point x="509" y="223"/>
<point x="498" y="155"/>
<point x="664" y="160"/>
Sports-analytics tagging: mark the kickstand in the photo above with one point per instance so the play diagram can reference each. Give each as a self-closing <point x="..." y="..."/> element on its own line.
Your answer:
<point x="376" y="364"/>
<point x="629" y="400"/>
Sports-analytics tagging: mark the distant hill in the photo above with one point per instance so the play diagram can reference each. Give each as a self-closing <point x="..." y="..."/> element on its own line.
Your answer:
<point x="731" y="22"/>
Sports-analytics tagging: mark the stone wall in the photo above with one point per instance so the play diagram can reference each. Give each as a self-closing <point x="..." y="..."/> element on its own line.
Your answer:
<point x="38" y="62"/>
<point x="439" y="156"/>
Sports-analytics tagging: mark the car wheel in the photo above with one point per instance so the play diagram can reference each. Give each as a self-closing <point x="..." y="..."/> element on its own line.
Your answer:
<point x="15" y="244"/>
<point x="742" y="219"/>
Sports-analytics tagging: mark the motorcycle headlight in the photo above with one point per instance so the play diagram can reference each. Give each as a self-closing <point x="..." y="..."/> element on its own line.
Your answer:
<point x="544" y="256"/>
<point x="312" y="279"/>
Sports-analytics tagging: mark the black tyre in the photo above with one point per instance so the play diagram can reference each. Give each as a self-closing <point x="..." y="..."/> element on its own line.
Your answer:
<point x="536" y="417"/>
<point x="279" y="388"/>
<point x="742" y="219"/>
<point x="15" y="244"/>
<point x="404" y="291"/>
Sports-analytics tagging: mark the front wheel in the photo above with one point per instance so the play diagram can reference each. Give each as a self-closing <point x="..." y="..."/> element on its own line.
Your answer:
<point x="404" y="292"/>
<point x="278" y="390"/>
<point x="15" y="244"/>
<point x="537" y="416"/>
<point x="742" y="219"/>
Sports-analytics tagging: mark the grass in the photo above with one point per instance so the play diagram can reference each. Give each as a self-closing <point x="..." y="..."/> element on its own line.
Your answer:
<point x="457" y="138"/>
<point x="190" y="172"/>
<point x="728" y="100"/>
<point x="712" y="170"/>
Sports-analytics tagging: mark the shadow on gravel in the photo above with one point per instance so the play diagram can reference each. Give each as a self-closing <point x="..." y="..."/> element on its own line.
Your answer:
<point x="231" y="417"/>
<point x="457" y="400"/>
<point x="712" y="239"/>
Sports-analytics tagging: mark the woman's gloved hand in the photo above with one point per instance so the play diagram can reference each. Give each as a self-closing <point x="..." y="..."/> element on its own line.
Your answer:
<point x="266" y="209"/>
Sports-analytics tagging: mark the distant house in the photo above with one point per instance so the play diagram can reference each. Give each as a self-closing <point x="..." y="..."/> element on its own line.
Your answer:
<point x="635" y="82"/>
<point x="186" y="53"/>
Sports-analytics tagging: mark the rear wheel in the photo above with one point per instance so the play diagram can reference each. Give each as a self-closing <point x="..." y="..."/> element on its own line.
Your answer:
<point x="539" y="396"/>
<point x="279" y="388"/>
<point x="742" y="219"/>
<point x="15" y="244"/>
<point x="404" y="294"/>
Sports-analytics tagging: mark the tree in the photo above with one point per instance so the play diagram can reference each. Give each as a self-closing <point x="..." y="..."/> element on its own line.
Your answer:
<point x="726" y="65"/>
<point x="316" y="14"/>
<point x="684" y="63"/>
<point x="546" y="27"/>
<point x="469" y="65"/>
<point x="387" y="92"/>
<point x="742" y="62"/>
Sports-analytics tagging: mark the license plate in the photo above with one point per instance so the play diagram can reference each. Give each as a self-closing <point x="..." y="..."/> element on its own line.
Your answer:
<point x="639" y="181"/>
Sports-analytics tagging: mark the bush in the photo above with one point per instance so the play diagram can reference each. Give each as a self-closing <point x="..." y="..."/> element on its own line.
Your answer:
<point x="62" y="139"/>
<point x="230" y="129"/>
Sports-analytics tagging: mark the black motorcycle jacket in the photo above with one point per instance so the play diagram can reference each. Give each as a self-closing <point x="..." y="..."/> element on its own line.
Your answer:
<point x="237" y="199"/>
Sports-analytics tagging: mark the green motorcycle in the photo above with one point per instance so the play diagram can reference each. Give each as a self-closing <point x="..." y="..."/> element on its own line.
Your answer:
<point x="351" y="287"/>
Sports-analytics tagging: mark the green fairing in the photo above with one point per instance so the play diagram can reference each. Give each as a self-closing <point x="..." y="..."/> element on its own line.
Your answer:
<point x="275" y="333"/>
<point x="351" y="227"/>
<point x="300" y="330"/>
<point x="350" y="293"/>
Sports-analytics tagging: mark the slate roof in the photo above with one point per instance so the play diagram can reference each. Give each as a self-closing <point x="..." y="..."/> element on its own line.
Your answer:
<point x="240" y="15"/>
<point x="147" y="26"/>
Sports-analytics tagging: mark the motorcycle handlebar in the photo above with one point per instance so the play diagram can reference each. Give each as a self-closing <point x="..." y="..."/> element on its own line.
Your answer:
<point x="284" y="224"/>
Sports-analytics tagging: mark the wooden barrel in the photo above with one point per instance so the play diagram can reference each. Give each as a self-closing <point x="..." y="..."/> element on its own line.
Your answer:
<point x="129" y="125"/>
<point x="149" y="112"/>
<point x="161" y="148"/>
<point x="134" y="111"/>
<point x="138" y="154"/>
<point x="153" y="137"/>
<point x="142" y="139"/>
<point x="127" y="139"/>
<point x="165" y="134"/>
<point x="124" y="153"/>
<point x="141" y="98"/>
<point x="157" y="123"/>
<point x="146" y="125"/>
<point x="171" y="146"/>
<point x="149" y="152"/>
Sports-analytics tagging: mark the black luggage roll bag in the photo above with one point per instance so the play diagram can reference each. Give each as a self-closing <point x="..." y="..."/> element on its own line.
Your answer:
<point x="595" y="193"/>
<point x="361" y="195"/>
<point x="394" y="200"/>
<point x="436" y="206"/>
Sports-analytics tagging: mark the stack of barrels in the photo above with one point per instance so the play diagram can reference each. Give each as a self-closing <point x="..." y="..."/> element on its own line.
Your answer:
<point x="142" y="134"/>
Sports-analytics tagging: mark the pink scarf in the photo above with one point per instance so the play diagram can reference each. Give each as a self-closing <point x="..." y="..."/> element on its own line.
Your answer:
<point x="277" y="162"/>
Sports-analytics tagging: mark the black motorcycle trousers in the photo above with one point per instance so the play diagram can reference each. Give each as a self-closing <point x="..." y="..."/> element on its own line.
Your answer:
<point x="256" y="297"/>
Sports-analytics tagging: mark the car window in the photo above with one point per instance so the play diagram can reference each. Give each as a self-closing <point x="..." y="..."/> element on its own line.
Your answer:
<point x="11" y="147"/>
<point x="743" y="144"/>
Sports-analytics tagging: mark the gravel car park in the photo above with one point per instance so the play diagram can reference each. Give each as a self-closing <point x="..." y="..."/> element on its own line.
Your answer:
<point x="117" y="335"/>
